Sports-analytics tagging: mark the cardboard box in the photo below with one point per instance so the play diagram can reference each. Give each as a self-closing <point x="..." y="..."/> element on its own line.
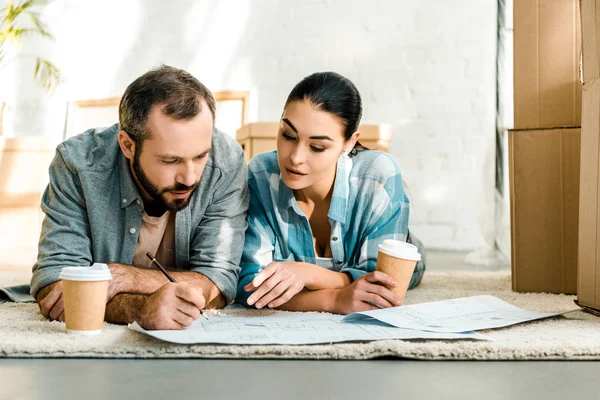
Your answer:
<point x="23" y="178"/>
<point x="544" y="200"/>
<point x="260" y="137"/>
<point x="588" y="285"/>
<point x="547" y="43"/>
<point x="257" y="137"/>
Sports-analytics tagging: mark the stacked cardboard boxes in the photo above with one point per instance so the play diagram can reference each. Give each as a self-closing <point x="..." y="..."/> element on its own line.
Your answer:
<point x="259" y="137"/>
<point x="544" y="147"/>
<point x="588" y="287"/>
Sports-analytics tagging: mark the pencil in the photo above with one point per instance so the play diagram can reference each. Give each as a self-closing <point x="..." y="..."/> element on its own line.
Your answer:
<point x="162" y="269"/>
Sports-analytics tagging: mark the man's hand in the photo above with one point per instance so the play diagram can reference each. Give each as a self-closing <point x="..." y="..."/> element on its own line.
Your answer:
<point x="369" y="289"/>
<point x="50" y="300"/>
<point x="173" y="306"/>
<point x="276" y="284"/>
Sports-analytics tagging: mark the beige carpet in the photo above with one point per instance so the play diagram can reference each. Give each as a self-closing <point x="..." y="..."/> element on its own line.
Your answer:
<point x="575" y="336"/>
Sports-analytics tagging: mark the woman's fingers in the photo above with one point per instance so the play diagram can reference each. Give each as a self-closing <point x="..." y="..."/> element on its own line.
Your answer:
<point x="261" y="277"/>
<point x="381" y="278"/>
<point x="264" y="275"/>
<point x="285" y="296"/>
<point x="387" y="298"/>
<point x="274" y="293"/>
<point x="377" y="299"/>
<point x="264" y="288"/>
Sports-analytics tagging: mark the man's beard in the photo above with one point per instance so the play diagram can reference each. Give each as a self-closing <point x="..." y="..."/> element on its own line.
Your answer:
<point x="158" y="201"/>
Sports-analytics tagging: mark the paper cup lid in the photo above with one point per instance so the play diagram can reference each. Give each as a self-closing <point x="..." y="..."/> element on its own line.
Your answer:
<point x="97" y="272"/>
<point x="399" y="249"/>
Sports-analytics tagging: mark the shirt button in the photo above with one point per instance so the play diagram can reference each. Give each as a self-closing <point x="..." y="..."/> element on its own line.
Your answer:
<point x="132" y="230"/>
<point x="124" y="200"/>
<point x="334" y="238"/>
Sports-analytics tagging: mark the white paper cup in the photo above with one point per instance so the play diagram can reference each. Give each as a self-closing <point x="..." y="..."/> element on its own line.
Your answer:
<point x="398" y="259"/>
<point x="85" y="290"/>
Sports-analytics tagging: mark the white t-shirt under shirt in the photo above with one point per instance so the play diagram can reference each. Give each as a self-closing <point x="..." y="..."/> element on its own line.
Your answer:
<point x="156" y="236"/>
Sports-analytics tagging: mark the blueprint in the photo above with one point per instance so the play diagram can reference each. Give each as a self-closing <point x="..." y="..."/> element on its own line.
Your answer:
<point x="291" y="328"/>
<point x="454" y="315"/>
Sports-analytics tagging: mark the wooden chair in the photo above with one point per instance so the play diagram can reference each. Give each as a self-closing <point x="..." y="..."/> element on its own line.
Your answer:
<point x="232" y="110"/>
<point x="232" y="113"/>
<point x="86" y="114"/>
<point x="259" y="137"/>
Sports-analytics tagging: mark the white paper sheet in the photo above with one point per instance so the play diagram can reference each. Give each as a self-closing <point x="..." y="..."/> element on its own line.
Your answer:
<point x="291" y="328"/>
<point x="454" y="315"/>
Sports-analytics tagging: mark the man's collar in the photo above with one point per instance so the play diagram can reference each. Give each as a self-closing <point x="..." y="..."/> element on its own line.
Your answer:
<point x="129" y="192"/>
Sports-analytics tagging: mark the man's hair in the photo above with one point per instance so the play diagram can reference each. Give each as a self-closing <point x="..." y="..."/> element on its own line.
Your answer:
<point x="176" y="91"/>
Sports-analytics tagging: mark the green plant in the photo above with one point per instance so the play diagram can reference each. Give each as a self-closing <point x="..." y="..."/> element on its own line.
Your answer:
<point x="13" y="27"/>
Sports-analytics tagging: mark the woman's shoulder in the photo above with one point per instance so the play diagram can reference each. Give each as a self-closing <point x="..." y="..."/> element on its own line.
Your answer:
<point x="264" y="164"/>
<point x="375" y="164"/>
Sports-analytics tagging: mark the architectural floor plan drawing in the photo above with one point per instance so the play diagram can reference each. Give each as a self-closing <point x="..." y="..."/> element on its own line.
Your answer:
<point x="446" y="319"/>
<point x="453" y="315"/>
<point x="291" y="328"/>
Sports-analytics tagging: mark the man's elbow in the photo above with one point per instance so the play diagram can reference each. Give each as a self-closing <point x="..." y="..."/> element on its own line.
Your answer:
<point x="217" y="302"/>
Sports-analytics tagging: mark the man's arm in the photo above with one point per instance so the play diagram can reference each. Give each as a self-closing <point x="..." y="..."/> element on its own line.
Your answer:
<point x="173" y="306"/>
<point x="128" y="279"/>
<point x="124" y="308"/>
<point x="217" y="242"/>
<point x="65" y="236"/>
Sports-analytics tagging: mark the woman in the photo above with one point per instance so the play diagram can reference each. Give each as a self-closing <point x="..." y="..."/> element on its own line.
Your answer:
<point x="319" y="206"/>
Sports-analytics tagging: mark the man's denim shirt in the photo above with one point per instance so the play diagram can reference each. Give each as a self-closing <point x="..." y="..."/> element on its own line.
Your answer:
<point x="94" y="211"/>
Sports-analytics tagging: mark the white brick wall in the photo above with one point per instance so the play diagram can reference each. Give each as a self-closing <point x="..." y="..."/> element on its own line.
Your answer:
<point x="427" y="67"/>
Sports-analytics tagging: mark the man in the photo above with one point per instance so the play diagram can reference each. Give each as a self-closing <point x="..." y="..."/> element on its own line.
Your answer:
<point x="162" y="181"/>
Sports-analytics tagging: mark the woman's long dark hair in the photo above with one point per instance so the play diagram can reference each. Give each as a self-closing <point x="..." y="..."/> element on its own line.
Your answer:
<point x="333" y="93"/>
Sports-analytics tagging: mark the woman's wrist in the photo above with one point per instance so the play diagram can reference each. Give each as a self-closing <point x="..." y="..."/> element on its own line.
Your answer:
<point x="309" y="275"/>
<point x="331" y="301"/>
<point x="317" y="278"/>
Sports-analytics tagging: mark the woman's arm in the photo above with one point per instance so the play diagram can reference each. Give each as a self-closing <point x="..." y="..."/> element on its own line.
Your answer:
<point x="319" y="300"/>
<point x="316" y="277"/>
<point x="259" y="242"/>
<point x="369" y="292"/>
<point x="281" y="281"/>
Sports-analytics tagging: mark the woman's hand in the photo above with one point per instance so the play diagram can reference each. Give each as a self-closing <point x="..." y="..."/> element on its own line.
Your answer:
<point x="367" y="293"/>
<point x="276" y="284"/>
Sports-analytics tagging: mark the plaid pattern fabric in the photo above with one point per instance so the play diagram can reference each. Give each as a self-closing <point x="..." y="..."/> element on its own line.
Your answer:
<point x="368" y="206"/>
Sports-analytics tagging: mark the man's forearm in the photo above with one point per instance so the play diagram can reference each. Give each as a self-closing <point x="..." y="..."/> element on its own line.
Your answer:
<point x="124" y="308"/>
<point x="147" y="281"/>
